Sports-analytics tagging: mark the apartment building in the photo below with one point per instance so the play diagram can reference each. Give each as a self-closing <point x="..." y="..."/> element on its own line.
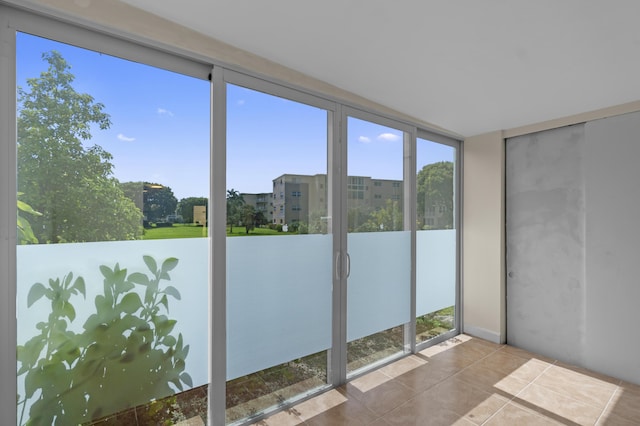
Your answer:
<point x="297" y="197"/>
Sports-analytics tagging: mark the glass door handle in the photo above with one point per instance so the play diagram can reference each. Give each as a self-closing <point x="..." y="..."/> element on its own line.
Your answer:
<point x="338" y="266"/>
<point x="348" y="265"/>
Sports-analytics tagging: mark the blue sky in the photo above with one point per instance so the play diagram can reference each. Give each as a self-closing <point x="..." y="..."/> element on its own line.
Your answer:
<point x="160" y="127"/>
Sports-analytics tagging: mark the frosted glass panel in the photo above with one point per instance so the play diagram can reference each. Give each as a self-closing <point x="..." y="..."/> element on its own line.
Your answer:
<point x="379" y="284"/>
<point x="40" y="263"/>
<point x="279" y="300"/>
<point x="435" y="270"/>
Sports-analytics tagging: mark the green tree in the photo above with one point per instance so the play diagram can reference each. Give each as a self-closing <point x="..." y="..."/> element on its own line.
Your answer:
<point x="248" y="217"/>
<point x="387" y="218"/>
<point x="185" y="207"/>
<point x="235" y="201"/>
<point x="260" y="219"/>
<point x="357" y="216"/>
<point x="159" y="202"/>
<point x="69" y="183"/>
<point x="134" y="191"/>
<point x="435" y="195"/>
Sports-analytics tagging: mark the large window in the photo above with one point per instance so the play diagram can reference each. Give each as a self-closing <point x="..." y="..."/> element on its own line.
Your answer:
<point x="195" y="242"/>
<point x="112" y="256"/>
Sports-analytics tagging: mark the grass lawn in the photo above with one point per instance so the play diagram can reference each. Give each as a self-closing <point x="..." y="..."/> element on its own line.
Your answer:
<point x="179" y="230"/>
<point x="240" y="231"/>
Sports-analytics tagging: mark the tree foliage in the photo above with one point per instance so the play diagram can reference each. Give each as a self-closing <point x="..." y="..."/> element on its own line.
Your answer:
<point x="387" y="218"/>
<point x="70" y="184"/>
<point x="185" y="207"/>
<point x="126" y="355"/>
<point x="235" y="203"/>
<point x="134" y="191"/>
<point x="248" y="217"/>
<point x="25" y="232"/>
<point x="357" y="217"/>
<point x="159" y="202"/>
<point x="435" y="195"/>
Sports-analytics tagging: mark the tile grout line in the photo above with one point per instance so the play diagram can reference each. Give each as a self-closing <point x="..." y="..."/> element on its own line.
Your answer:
<point x="442" y="380"/>
<point x="472" y="364"/>
<point x="604" y="410"/>
<point x="521" y="390"/>
<point x="555" y="363"/>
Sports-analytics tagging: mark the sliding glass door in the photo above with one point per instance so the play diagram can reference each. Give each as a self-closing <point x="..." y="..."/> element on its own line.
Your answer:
<point x="436" y="238"/>
<point x="378" y="243"/>
<point x="279" y="250"/>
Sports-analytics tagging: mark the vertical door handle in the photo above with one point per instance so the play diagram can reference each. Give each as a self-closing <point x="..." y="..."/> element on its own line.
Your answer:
<point x="337" y="265"/>
<point x="348" y="265"/>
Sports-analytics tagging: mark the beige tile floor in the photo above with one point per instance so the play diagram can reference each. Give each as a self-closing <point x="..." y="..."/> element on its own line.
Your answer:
<point x="468" y="381"/>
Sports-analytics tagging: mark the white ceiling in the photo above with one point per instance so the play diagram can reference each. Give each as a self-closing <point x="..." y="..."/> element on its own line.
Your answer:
<point x="468" y="66"/>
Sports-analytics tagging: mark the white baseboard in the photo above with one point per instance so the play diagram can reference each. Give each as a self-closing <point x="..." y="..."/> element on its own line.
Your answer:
<point x="483" y="333"/>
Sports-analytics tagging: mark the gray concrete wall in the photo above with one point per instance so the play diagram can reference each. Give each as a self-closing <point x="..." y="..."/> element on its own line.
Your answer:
<point x="573" y="244"/>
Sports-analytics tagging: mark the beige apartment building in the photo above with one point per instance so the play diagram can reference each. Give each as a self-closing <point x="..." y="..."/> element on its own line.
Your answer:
<point x="296" y="197"/>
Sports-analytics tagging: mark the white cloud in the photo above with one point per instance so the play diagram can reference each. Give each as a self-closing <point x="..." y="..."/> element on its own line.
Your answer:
<point x="125" y="138"/>
<point x="388" y="137"/>
<point x="364" y="139"/>
<point x="240" y="102"/>
<point x="162" y="111"/>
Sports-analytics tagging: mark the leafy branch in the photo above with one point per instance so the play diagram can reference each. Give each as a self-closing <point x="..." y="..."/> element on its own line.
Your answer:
<point x="25" y="232"/>
<point x="126" y="354"/>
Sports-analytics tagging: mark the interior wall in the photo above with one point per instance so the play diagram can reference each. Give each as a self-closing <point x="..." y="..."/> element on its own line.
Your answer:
<point x="612" y="232"/>
<point x="573" y="203"/>
<point x="483" y="274"/>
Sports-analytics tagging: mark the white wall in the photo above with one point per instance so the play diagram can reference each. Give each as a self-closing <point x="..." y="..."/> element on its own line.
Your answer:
<point x="483" y="237"/>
